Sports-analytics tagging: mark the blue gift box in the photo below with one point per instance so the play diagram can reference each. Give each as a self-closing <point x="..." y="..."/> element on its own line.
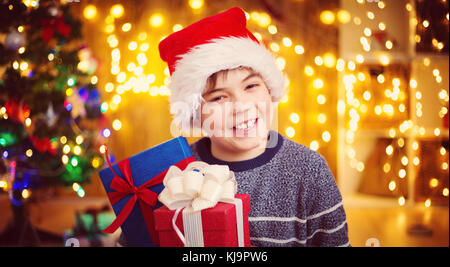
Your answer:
<point x="144" y="166"/>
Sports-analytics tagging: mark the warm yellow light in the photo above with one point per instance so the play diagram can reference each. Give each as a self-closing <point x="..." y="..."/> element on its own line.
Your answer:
<point x="404" y="160"/>
<point x="309" y="71"/>
<point x="126" y="27"/>
<point x="16" y="64"/>
<point x="392" y="185"/>
<point x="294" y="117"/>
<point x="195" y="4"/>
<point x="444" y="166"/>
<point x="258" y="36"/>
<point x="445" y="192"/>
<point x="386" y="167"/>
<point x="27" y="122"/>
<point x="132" y="46"/>
<point x="389" y="44"/>
<point x="329" y="60"/>
<point x="321" y="99"/>
<point x="113" y="42"/>
<point x="314" y="145"/>
<point x="378" y="110"/>
<point x="416" y="161"/>
<point x="437" y="132"/>
<point x="381" y="26"/>
<point x="367" y="32"/>
<point x="177" y="27"/>
<point x="290" y="132"/>
<point x="115" y="54"/>
<point x="401" y="201"/>
<point x="272" y="29"/>
<point x="426" y="23"/>
<point x="402" y="173"/>
<point x="384" y="60"/>
<point x="77" y="150"/>
<point x="274" y="47"/>
<point x="66" y="149"/>
<point x="79" y="140"/>
<point x="340" y="65"/>
<point x="299" y="49"/>
<point x="370" y="15"/>
<point x="287" y="42"/>
<point x="75" y="187"/>
<point x="262" y="19"/>
<point x="142" y="59"/>
<point x="344" y="16"/>
<point x="121" y="77"/>
<point x="318" y="60"/>
<point x="109" y="87"/>
<point x="4" y="185"/>
<point x="326" y="136"/>
<point x="95" y="162"/>
<point x="380" y="78"/>
<point x="63" y="140"/>
<point x="117" y="125"/>
<point x="367" y="95"/>
<point x="156" y="20"/>
<point x="318" y="83"/>
<point x="26" y="193"/>
<point x="23" y="65"/>
<point x="389" y="150"/>
<point x="29" y="153"/>
<point x="392" y="132"/>
<point x="442" y="151"/>
<point x="427" y="203"/>
<point x="327" y="17"/>
<point x="117" y="99"/>
<point x="322" y="118"/>
<point x="433" y="182"/>
<point x="359" y="58"/>
<point x="90" y="11"/>
<point x="117" y="11"/>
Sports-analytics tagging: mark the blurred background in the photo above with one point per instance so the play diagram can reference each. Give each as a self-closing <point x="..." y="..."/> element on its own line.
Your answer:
<point x="368" y="89"/>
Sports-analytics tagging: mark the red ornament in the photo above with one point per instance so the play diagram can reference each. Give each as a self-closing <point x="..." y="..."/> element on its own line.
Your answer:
<point x="43" y="145"/>
<point x="51" y="25"/>
<point x="17" y="110"/>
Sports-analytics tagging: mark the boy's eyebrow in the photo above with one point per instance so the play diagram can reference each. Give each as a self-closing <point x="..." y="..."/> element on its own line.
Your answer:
<point x="251" y="75"/>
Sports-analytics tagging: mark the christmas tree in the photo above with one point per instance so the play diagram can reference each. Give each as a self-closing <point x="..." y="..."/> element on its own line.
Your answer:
<point x="49" y="104"/>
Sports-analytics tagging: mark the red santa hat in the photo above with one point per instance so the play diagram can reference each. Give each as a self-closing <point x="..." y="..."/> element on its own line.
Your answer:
<point x="215" y="43"/>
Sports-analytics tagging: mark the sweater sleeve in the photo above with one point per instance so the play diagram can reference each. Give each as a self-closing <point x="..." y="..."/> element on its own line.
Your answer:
<point x="326" y="220"/>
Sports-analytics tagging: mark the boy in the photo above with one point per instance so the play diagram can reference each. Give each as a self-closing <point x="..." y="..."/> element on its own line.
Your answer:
<point x="225" y="83"/>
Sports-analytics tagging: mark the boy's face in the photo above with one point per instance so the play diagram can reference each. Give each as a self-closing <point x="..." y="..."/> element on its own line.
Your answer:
<point x="237" y="112"/>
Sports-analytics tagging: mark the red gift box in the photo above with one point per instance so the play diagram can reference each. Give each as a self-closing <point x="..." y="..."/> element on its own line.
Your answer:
<point x="219" y="225"/>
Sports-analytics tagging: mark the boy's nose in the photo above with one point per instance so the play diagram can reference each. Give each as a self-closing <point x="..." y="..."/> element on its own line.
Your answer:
<point x="241" y="107"/>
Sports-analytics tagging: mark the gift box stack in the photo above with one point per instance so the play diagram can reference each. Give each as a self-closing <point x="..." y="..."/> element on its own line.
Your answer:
<point x="200" y="206"/>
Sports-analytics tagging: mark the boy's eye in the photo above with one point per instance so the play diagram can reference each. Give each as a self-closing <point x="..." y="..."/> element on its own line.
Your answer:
<point x="215" y="99"/>
<point x="250" y="86"/>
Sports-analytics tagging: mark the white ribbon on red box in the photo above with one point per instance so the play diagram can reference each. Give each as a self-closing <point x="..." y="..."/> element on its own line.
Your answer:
<point x="199" y="186"/>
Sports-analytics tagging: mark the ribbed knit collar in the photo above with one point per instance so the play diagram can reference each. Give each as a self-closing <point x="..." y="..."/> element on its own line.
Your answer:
<point x="204" y="151"/>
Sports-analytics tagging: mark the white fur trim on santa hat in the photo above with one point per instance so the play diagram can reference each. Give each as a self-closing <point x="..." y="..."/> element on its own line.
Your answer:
<point x="192" y="70"/>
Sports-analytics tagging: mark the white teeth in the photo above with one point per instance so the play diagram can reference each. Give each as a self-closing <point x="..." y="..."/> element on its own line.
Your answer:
<point x="247" y="125"/>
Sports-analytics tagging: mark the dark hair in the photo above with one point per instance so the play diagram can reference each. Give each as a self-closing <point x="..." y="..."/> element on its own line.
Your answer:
<point x="212" y="80"/>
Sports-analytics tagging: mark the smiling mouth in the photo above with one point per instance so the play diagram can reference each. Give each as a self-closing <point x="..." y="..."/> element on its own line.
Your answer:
<point x="246" y="125"/>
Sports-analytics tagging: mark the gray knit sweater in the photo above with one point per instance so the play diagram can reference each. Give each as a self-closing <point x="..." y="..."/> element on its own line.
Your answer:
<point x="294" y="199"/>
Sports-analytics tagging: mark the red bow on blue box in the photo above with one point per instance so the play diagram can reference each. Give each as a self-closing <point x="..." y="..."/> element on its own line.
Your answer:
<point x="133" y="185"/>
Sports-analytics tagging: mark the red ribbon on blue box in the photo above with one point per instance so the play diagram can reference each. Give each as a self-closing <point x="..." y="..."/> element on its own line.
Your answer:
<point x="133" y="185"/>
